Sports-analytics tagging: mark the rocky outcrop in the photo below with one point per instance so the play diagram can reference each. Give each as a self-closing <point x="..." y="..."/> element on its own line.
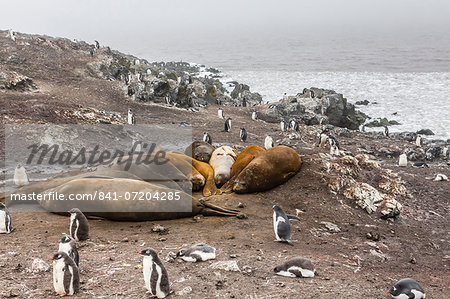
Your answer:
<point x="315" y="106"/>
<point x="15" y="81"/>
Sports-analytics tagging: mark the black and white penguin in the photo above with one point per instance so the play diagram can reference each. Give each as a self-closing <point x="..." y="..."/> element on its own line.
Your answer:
<point x="131" y="117"/>
<point x="407" y="288"/>
<point x="362" y="128"/>
<point x="20" y="176"/>
<point x="285" y="96"/>
<point x="207" y="137"/>
<point x="168" y="101"/>
<point x="197" y="253"/>
<point x="386" y="131"/>
<point x="66" y="276"/>
<point x="92" y="51"/>
<point x="128" y="78"/>
<point x="220" y="113"/>
<point x="138" y="76"/>
<point x="12" y="35"/>
<point x="440" y="177"/>
<point x="283" y="126"/>
<point x="69" y="245"/>
<point x="155" y="274"/>
<point x="243" y="134"/>
<point x="5" y="220"/>
<point x="296" y="267"/>
<point x="421" y="164"/>
<point x="97" y="45"/>
<point x="244" y="102"/>
<point x="268" y="142"/>
<point x="228" y="125"/>
<point x="255" y="115"/>
<point x="334" y="145"/>
<point x="311" y="93"/>
<point x="323" y="137"/>
<point x="79" y="226"/>
<point x="403" y="160"/>
<point x="281" y="225"/>
<point x="293" y="125"/>
<point x="419" y="141"/>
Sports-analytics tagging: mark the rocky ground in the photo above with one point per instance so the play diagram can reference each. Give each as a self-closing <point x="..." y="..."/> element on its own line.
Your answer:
<point x="351" y="260"/>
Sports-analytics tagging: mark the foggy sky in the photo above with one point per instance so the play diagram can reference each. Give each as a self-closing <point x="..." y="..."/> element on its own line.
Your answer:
<point x="124" y="24"/>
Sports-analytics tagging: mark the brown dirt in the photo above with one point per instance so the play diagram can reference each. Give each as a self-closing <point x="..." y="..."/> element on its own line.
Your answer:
<point x="110" y="263"/>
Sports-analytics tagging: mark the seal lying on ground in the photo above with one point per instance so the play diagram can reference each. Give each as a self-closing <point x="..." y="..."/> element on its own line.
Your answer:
<point x="222" y="159"/>
<point x="200" y="150"/>
<point x="269" y="169"/>
<point x="245" y="157"/>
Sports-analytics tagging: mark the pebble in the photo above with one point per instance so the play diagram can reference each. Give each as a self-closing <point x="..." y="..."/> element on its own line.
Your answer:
<point x="230" y="266"/>
<point x="39" y="265"/>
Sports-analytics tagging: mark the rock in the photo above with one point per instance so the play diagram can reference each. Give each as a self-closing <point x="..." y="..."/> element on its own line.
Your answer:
<point x="425" y="132"/>
<point x="390" y="208"/>
<point x="365" y="102"/>
<point x="408" y="136"/>
<point x="433" y="152"/>
<point x="331" y="226"/>
<point x="241" y="216"/>
<point x="381" y="122"/>
<point x="157" y="228"/>
<point x="241" y="205"/>
<point x="39" y="265"/>
<point x="16" y="81"/>
<point x="365" y="196"/>
<point x="230" y="266"/>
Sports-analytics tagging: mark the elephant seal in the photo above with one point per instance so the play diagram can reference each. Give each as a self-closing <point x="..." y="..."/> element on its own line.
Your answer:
<point x="222" y="159"/>
<point x="245" y="157"/>
<point x="269" y="169"/>
<point x="186" y="167"/>
<point x="200" y="150"/>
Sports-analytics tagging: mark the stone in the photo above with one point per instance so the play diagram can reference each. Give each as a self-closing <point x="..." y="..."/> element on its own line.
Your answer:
<point x="39" y="265"/>
<point x="425" y="132"/>
<point x="390" y="208"/>
<point x="230" y="266"/>
<point x="331" y="227"/>
<point x="365" y="196"/>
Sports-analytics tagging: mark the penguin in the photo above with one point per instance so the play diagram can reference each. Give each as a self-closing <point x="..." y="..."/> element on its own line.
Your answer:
<point x="362" y="128"/>
<point x="97" y="45"/>
<point x="407" y="288"/>
<point x="268" y="142"/>
<point x="285" y="97"/>
<point x="304" y="90"/>
<point x="421" y="164"/>
<point x="168" y="101"/>
<point x="334" y="145"/>
<point x="244" y="102"/>
<point x="243" y="134"/>
<point x="419" y="141"/>
<point x="283" y="126"/>
<point x="138" y="76"/>
<point x="197" y="253"/>
<point x="155" y="274"/>
<point x="311" y="93"/>
<point x="220" y="113"/>
<point x="386" y="131"/>
<point x="207" y="137"/>
<point x="131" y="117"/>
<point x="66" y="276"/>
<point x="296" y="267"/>
<point x="255" y="115"/>
<point x="92" y="51"/>
<point x="5" y="220"/>
<point x="69" y="245"/>
<point x="440" y="177"/>
<point x="281" y="225"/>
<point x="403" y="160"/>
<point x="20" y="176"/>
<point x="79" y="226"/>
<point x="11" y="35"/>
<point x="293" y="125"/>
<point x="323" y="136"/>
<point x="445" y="152"/>
<point x="228" y="125"/>
<point x="129" y="77"/>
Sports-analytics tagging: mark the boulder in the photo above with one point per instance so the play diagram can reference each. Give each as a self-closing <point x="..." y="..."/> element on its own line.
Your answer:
<point x="425" y="132"/>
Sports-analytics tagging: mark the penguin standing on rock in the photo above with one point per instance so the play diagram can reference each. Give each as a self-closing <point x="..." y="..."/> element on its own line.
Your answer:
<point x="268" y="142"/>
<point x="207" y="138"/>
<point x="403" y="160"/>
<point x="228" y="125"/>
<point x="131" y="117"/>
<point x="5" y="220"/>
<point x="407" y="288"/>
<point x="283" y="126"/>
<point x="197" y="253"/>
<point x="220" y="113"/>
<point x="244" y="102"/>
<point x="66" y="276"/>
<point x="296" y="267"/>
<point x="281" y="225"/>
<point x="255" y="115"/>
<point x="293" y="124"/>
<point x="386" y="131"/>
<point x="419" y="141"/>
<point x="79" y="226"/>
<point x="243" y="134"/>
<point x="20" y="176"/>
<point x="69" y="246"/>
<point x="323" y="136"/>
<point x="155" y="274"/>
<point x="362" y="128"/>
<point x="97" y="45"/>
<point x="92" y="51"/>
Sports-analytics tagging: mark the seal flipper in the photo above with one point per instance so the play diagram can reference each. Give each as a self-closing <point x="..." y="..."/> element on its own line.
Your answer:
<point x="293" y="217"/>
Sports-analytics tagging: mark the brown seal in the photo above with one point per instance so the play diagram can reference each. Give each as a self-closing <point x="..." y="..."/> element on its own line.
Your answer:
<point x="269" y="169"/>
<point x="245" y="157"/>
<point x="200" y="150"/>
